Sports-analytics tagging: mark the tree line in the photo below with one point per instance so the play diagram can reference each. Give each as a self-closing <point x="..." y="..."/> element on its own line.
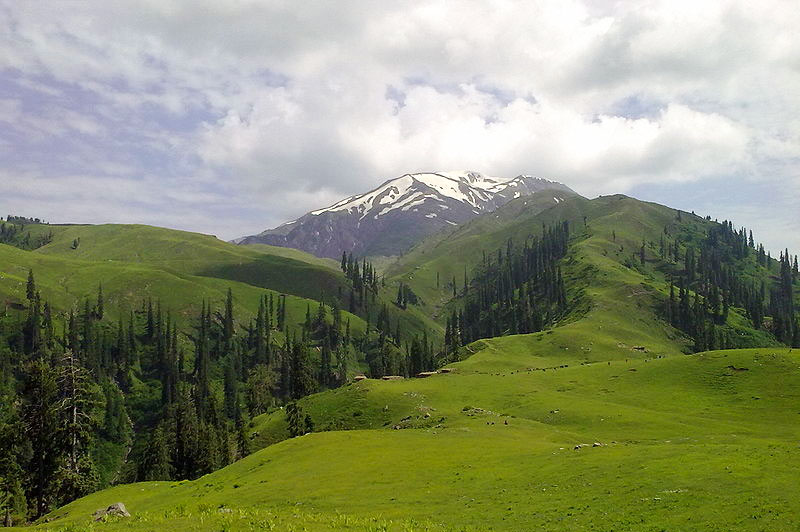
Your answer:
<point x="724" y="269"/>
<point x="14" y="234"/>
<point x="178" y="398"/>
<point x="52" y="410"/>
<point x="520" y="289"/>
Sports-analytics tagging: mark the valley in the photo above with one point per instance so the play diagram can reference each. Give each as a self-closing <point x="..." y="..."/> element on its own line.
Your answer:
<point x="421" y="266"/>
<point x="623" y="403"/>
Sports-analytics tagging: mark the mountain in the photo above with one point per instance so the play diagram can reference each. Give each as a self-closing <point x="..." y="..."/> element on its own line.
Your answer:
<point x="180" y="269"/>
<point x="599" y="421"/>
<point x="392" y="218"/>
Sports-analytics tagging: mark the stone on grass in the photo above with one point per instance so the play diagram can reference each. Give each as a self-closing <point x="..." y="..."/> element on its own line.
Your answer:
<point x="116" y="509"/>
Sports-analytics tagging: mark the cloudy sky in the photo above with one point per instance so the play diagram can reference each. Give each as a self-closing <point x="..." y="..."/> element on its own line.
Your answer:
<point x="231" y="117"/>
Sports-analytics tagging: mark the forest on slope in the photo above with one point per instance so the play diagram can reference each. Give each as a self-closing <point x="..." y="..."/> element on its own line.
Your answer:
<point x="175" y="391"/>
<point x="135" y="353"/>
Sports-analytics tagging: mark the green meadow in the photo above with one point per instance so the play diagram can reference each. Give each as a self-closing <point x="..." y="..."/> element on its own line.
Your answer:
<point x="700" y="442"/>
<point x="603" y="422"/>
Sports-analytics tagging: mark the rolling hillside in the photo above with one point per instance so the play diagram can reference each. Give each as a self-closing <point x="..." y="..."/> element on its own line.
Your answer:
<point x="692" y="443"/>
<point x="288" y="271"/>
<point x="609" y="235"/>
<point x="179" y="273"/>
<point x="601" y="422"/>
<point x="68" y="281"/>
<point x="180" y="253"/>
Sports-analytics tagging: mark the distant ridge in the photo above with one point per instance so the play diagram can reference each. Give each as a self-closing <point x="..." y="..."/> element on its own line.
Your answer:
<point x="393" y="217"/>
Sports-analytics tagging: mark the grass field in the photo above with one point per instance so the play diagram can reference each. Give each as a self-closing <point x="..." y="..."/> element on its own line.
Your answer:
<point x="289" y="271"/>
<point x="603" y="423"/>
<point x="687" y="443"/>
<point x="66" y="282"/>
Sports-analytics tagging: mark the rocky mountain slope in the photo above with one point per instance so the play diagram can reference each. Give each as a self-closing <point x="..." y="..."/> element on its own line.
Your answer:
<point x="392" y="218"/>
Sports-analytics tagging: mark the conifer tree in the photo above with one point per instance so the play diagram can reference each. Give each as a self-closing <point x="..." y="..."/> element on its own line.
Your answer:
<point x="33" y="326"/>
<point x="156" y="463"/>
<point x="261" y="335"/>
<point x="231" y="390"/>
<point x="186" y="436"/>
<point x="40" y="419"/>
<point x="13" y="504"/>
<point x="31" y="286"/>
<point x="77" y="475"/>
<point x="227" y="324"/>
<point x="260" y="383"/>
<point x="299" y="423"/>
<point x="325" y="370"/>
<point x="202" y="363"/>
<point x="282" y="311"/>
<point x="302" y="378"/>
<point x="100" y="306"/>
<point x="242" y="441"/>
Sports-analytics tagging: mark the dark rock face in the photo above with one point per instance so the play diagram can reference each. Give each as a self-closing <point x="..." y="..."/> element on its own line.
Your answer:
<point x="392" y="218"/>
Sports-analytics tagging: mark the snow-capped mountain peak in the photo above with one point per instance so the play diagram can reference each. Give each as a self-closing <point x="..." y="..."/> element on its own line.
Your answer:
<point x="401" y="211"/>
<point x="409" y="190"/>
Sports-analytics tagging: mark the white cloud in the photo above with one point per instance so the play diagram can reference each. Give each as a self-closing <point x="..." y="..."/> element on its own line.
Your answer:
<point x="285" y="108"/>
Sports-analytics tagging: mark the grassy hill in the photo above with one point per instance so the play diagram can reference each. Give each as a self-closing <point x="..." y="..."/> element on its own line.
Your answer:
<point x="180" y="272"/>
<point x="136" y="262"/>
<point x="67" y="281"/>
<point x="283" y="270"/>
<point x="600" y="423"/>
<point x="291" y="272"/>
<point x="607" y="235"/>
<point x="702" y="442"/>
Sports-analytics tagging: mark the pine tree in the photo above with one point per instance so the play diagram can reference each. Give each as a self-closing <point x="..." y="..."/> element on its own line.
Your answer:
<point x="417" y="357"/>
<point x="186" y="436"/>
<point x="40" y="419"/>
<point x="320" y="320"/>
<point x="335" y="333"/>
<point x="227" y="324"/>
<point x="155" y="463"/>
<point x="259" y="388"/>
<point x="77" y="474"/>
<point x="231" y="390"/>
<point x="100" y="306"/>
<point x="242" y="441"/>
<point x="202" y="365"/>
<point x="31" y="286"/>
<point x="13" y="505"/>
<point x="298" y="422"/>
<point x="261" y="335"/>
<point x="32" y="331"/>
<point x="210" y="456"/>
<point x="325" y="370"/>
<point x="342" y="366"/>
<point x="303" y="381"/>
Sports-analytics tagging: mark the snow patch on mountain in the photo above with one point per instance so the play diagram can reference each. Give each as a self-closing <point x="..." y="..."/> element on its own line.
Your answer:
<point x="470" y="188"/>
<point x="400" y="212"/>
